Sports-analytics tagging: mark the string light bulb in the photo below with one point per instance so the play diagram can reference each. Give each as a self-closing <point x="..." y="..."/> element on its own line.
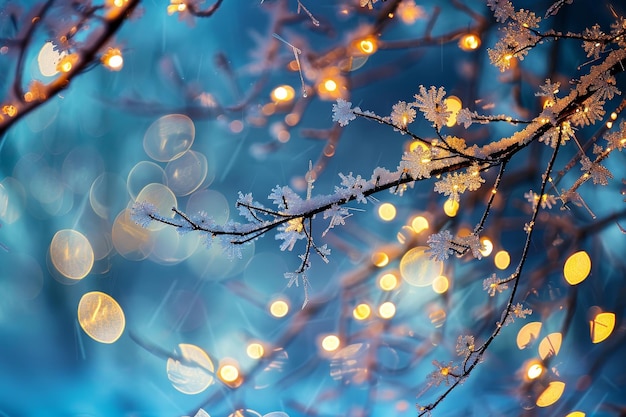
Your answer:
<point x="469" y="42"/>
<point x="113" y="59"/>
<point x="367" y="45"/>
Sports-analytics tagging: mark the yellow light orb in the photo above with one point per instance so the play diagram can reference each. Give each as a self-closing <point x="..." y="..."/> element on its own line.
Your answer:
<point x="551" y="394"/>
<point x="113" y="59"/>
<point x="451" y="207"/>
<point x="577" y="268"/>
<point x="550" y="345"/>
<point x="279" y="308"/>
<point x="387" y="310"/>
<point x="418" y="269"/>
<point x="602" y="326"/>
<point x="368" y="45"/>
<point x="388" y="282"/>
<point x="380" y="259"/>
<point x="441" y="284"/>
<point x="101" y="317"/>
<point x="330" y="343"/>
<point x="387" y="212"/>
<point x="419" y="224"/>
<point x="576" y="414"/>
<point x="487" y="246"/>
<point x="228" y="373"/>
<point x="528" y="334"/>
<point x="454" y="105"/>
<point x="534" y="370"/>
<point x="361" y="311"/>
<point x="71" y="254"/>
<point x="330" y="85"/>
<point x="502" y="259"/>
<point x="255" y="350"/>
<point x="469" y="42"/>
<point x="283" y="93"/>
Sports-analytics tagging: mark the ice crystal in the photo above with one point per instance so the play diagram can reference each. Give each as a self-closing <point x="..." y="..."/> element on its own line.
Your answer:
<point x="494" y="284"/>
<point x="143" y="213"/>
<point x="343" y="113"/>
<point x="599" y="174"/>
<point x="430" y="102"/>
<point x="402" y="114"/>
<point x="440" y="245"/>
<point x="517" y="312"/>
<point x="444" y="373"/>
<point x="617" y="139"/>
<point x="417" y="163"/>
<point x="502" y="9"/>
<point x="547" y="200"/>
<point x="465" y="345"/>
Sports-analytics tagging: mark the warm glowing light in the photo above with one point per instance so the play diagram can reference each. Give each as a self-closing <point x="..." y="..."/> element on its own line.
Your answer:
<point x="283" y="93"/>
<point x="438" y="317"/>
<point x="67" y="62"/>
<point x="441" y="284"/>
<point x="9" y="109"/>
<point x="191" y="370"/>
<point x="415" y="144"/>
<point x="419" y="224"/>
<point x="487" y="246"/>
<point x="101" y="317"/>
<point x="502" y="259"/>
<point x="451" y="207"/>
<point x="330" y="85"/>
<point x="330" y="343"/>
<point x="454" y="105"/>
<point x="71" y="254"/>
<point x="255" y="350"/>
<point x="534" y="370"/>
<point x="528" y="334"/>
<point x="279" y="308"/>
<point x="176" y="6"/>
<point x="409" y="12"/>
<point x="550" y="345"/>
<point x="380" y="259"/>
<point x="576" y="414"/>
<point x="388" y="282"/>
<point x="113" y="59"/>
<point x="602" y="326"/>
<point x="469" y="42"/>
<point x="418" y="269"/>
<point x="368" y="45"/>
<point x="577" y="267"/>
<point x="361" y="311"/>
<point x="387" y="211"/>
<point x="387" y="310"/>
<point x="228" y="373"/>
<point x="551" y="394"/>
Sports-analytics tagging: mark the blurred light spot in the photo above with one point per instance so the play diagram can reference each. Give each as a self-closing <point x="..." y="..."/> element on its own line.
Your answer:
<point x="551" y="394"/>
<point x="279" y="308"/>
<point x="330" y="343"/>
<point x="502" y="259"/>
<point x="388" y="282"/>
<point x="438" y="317"/>
<point x="419" y="224"/>
<point x="453" y="105"/>
<point x="469" y="42"/>
<point x="409" y="12"/>
<point x="451" y="207"/>
<point x="405" y="234"/>
<point x="487" y="246"/>
<point x="12" y="199"/>
<point x="367" y="45"/>
<point x="71" y="254"/>
<point x="550" y="345"/>
<point x="534" y="370"/>
<point x="528" y="334"/>
<point x="142" y="174"/>
<point x="602" y="326"/>
<point x="361" y="311"/>
<point x="101" y="317"/>
<point x="255" y="350"/>
<point x="186" y="173"/>
<point x="228" y="373"/>
<point x="244" y="413"/>
<point x="283" y="93"/>
<point x="112" y="59"/>
<point x="387" y="211"/>
<point x="576" y="414"/>
<point x="107" y="195"/>
<point x="191" y="370"/>
<point x="209" y="201"/>
<point x="441" y="284"/>
<point x="417" y="269"/>
<point x="169" y="137"/>
<point x="163" y="199"/>
<point x="236" y="126"/>
<point x="417" y="144"/>
<point x="129" y="239"/>
<point x="577" y="267"/>
<point x="380" y="259"/>
<point x="387" y="310"/>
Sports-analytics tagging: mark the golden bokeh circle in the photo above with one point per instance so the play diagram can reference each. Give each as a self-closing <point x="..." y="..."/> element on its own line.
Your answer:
<point x="101" y="317"/>
<point x="71" y="254"/>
